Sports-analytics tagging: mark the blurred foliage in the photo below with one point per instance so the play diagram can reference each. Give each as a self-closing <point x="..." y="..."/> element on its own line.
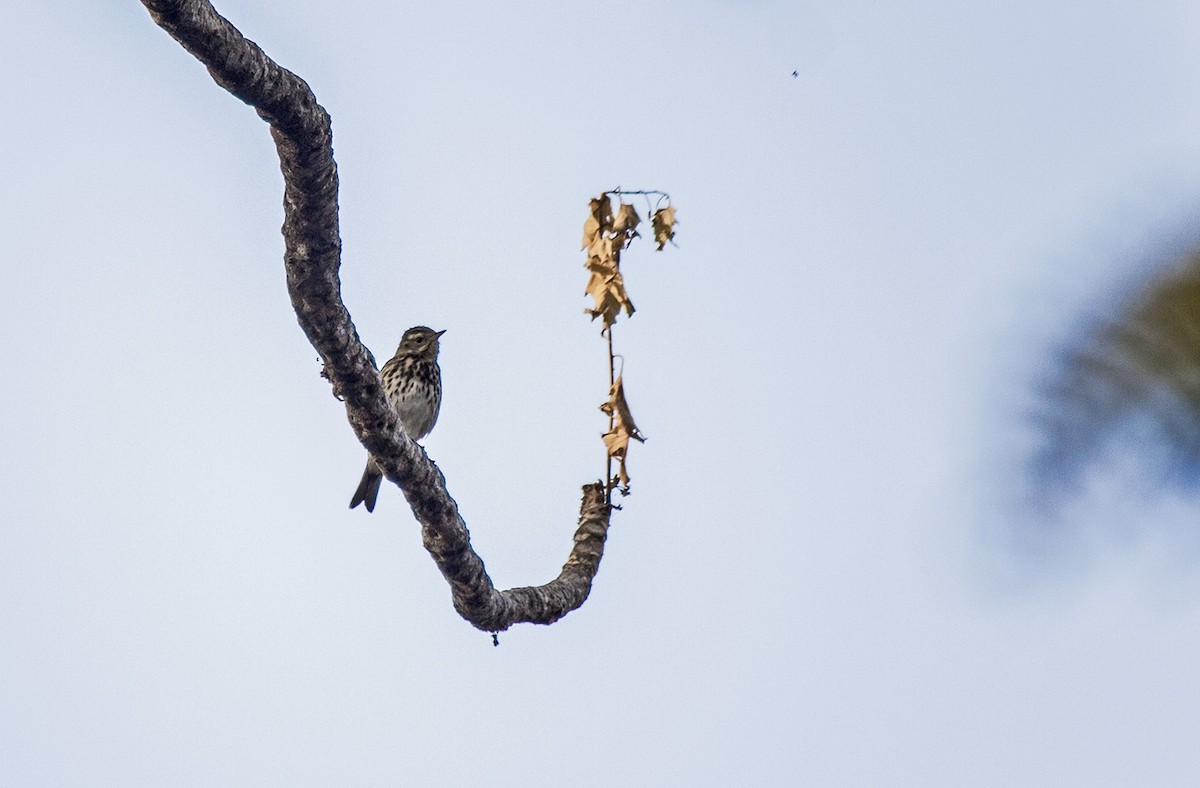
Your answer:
<point x="1130" y="384"/>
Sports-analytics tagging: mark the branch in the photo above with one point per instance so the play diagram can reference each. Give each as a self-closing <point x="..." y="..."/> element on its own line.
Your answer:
<point x="303" y="137"/>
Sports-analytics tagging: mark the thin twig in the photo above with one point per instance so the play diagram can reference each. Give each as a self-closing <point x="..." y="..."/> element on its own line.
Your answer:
<point x="619" y="191"/>
<point x="608" y="474"/>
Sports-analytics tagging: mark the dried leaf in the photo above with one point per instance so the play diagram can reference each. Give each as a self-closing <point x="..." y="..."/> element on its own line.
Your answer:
<point x="605" y="285"/>
<point x="602" y="210"/>
<point x="664" y="226"/>
<point x="599" y="219"/>
<point x="624" y="428"/>
<point x="623" y="414"/>
<point x="601" y="252"/>
<point x="603" y="267"/>
<point x="608" y="292"/>
<point x="626" y="223"/>
<point x="608" y="308"/>
<point x="616" y="286"/>
<point x="610" y="438"/>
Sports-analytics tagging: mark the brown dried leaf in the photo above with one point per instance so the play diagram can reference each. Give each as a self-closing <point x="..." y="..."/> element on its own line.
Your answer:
<point x="602" y="253"/>
<point x="605" y="285"/>
<point x="626" y="223"/>
<point x="664" y="225"/>
<point x="617" y="439"/>
<point x="616" y="286"/>
<point x="599" y="219"/>
<point x="611" y="438"/>
<point x="608" y="292"/>
<point x="608" y="308"/>
<point x="603" y="267"/>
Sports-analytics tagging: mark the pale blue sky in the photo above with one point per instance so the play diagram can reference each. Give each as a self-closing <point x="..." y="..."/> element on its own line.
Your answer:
<point x="805" y="587"/>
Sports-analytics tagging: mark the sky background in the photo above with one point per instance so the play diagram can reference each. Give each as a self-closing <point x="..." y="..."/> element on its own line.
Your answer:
<point x="823" y="576"/>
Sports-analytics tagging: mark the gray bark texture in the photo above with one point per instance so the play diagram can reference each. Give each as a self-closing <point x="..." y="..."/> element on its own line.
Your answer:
<point x="303" y="137"/>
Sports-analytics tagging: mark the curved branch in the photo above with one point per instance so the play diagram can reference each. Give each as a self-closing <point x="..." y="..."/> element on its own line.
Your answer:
<point x="303" y="137"/>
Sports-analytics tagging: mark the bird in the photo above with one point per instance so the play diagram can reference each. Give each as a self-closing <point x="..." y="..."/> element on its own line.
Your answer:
<point x="413" y="383"/>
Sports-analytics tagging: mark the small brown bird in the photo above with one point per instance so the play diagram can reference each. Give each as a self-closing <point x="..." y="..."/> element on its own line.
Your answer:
<point x="413" y="382"/>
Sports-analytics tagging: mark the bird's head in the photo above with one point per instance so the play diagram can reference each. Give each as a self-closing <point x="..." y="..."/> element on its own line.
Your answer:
<point x="420" y="341"/>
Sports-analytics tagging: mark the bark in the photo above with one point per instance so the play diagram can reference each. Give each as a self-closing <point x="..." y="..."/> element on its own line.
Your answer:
<point x="303" y="137"/>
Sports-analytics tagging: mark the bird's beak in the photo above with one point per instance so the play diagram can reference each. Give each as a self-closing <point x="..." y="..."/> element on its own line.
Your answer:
<point x="438" y="334"/>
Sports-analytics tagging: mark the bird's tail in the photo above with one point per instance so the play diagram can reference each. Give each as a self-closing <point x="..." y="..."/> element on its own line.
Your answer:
<point x="368" y="488"/>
